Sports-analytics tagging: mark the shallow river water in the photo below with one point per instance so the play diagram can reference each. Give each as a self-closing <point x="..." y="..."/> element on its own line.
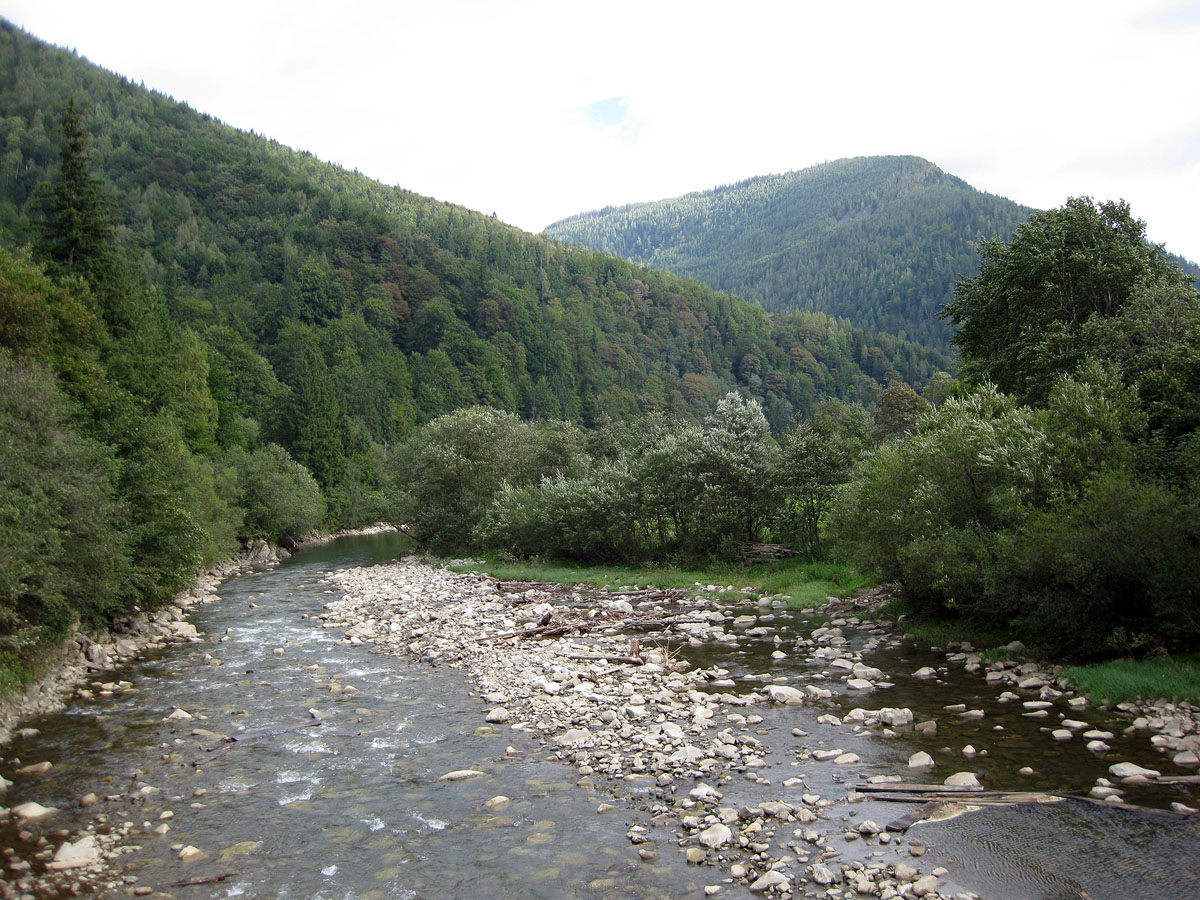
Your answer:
<point x="350" y="807"/>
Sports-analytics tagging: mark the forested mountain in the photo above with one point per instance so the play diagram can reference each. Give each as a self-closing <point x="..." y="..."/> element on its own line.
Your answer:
<point x="206" y="336"/>
<point x="442" y="305"/>
<point x="880" y="241"/>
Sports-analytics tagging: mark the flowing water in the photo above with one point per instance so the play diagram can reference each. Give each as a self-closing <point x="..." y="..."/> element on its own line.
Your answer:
<point x="350" y="807"/>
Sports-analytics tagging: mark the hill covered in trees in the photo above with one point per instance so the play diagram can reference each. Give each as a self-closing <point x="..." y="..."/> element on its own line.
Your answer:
<point x="880" y="241"/>
<point x="206" y="336"/>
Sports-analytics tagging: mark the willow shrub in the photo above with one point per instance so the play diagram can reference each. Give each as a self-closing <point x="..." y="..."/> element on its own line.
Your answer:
<point x="588" y="518"/>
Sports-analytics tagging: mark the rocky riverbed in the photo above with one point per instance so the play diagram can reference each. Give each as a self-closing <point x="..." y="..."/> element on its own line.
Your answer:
<point x="714" y="731"/>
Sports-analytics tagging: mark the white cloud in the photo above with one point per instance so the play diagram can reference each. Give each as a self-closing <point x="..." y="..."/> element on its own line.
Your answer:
<point x="485" y="103"/>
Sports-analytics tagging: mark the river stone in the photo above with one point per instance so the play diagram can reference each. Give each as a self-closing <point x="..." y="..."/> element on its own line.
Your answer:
<point x="715" y="836"/>
<point x="869" y="827"/>
<point x="860" y="684"/>
<point x="36" y="769"/>
<point x="768" y="880"/>
<point x="190" y="854"/>
<point x="696" y="855"/>
<point x="575" y="737"/>
<point x="895" y="716"/>
<point x="1186" y="758"/>
<point x="781" y="693"/>
<point x="1098" y="746"/>
<point x="905" y="872"/>
<point x="495" y="802"/>
<point x="821" y="874"/>
<point x="925" y="672"/>
<point x="30" y="811"/>
<point x="179" y="714"/>
<point x="84" y="852"/>
<point x="920" y="760"/>
<point x="1131" y="770"/>
<point x="962" y="779"/>
<point x="461" y="775"/>
<point x="498" y="715"/>
<point x="847" y="759"/>
<point x="926" y="885"/>
<point x="1062" y="734"/>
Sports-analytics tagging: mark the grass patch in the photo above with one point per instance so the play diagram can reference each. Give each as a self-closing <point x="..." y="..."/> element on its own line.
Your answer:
<point x="1175" y="678"/>
<point x="14" y="674"/>
<point x="805" y="583"/>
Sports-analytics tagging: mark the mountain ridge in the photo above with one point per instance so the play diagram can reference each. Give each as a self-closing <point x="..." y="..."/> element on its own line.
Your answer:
<point x="879" y="240"/>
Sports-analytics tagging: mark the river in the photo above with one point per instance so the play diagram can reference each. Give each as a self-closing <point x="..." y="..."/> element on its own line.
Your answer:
<point x="329" y="787"/>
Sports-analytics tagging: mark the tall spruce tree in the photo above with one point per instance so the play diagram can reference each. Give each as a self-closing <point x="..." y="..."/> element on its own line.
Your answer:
<point x="77" y="213"/>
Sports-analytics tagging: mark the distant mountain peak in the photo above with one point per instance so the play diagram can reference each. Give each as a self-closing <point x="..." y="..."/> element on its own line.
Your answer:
<point x="878" y="240"/>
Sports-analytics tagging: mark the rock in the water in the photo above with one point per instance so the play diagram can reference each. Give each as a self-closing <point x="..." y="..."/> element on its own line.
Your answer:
<point x="190" y="854"/>
<point x="781" y="693"/>
<point x="821" y="874"/>
<point x="768" y="880"/>
<point x="495" y="802"/>
<point x="962" y="779"/>
<point x="31" y="810"/>
<point x="926" y="885"/>
<point x="1131" y="770"/>
<point x="920" y="760"/>
<point x="499" y="715"/>
<point x="462" y="775"/>
<point x="715" y="836"/>
<point x="84" y="852"/>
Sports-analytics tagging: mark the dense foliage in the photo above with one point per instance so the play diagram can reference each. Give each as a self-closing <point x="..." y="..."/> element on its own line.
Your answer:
<point x="880" y="241"/>
<point x="206" y="338"/>
<point x="1069" y="510"/>
<point x="655" y="489"/>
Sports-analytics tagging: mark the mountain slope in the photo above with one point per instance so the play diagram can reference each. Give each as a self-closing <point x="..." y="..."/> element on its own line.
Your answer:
<point x="413" y="306"/>
<point x="881" y="241"/>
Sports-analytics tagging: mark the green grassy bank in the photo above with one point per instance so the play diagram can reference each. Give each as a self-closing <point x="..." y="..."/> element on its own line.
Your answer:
<point x="803" y="583"/>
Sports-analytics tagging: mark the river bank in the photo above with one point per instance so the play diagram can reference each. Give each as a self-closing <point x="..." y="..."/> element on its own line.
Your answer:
<point x="71" y="670"/>
<point x="601" y="680"/>
<point x="604" y="687"/>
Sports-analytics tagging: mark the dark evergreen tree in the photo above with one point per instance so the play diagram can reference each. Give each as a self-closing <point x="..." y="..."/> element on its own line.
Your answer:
<point x="77" y="214"/>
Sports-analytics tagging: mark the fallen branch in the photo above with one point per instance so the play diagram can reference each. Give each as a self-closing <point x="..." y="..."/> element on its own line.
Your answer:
<point x="629" y="660"/>
<point x="590" y="625"/>
<point x="188" y="882"/>
<point x="898" y="788"/>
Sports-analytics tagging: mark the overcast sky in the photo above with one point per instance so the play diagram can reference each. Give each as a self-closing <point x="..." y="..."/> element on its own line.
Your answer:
<point x="537" y="109"/>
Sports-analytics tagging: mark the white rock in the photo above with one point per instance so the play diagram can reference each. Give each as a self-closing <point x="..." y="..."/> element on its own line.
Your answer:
<point x="1130" y="770"/>
<point x="30" y="811"/>
<point x="821" y="874"/>
<point x="926" y="885"/>
<point x="768" y="880"/>
<point x="84" y="852"/>
<point x="180" y="714"/>
<point x="576" y="737"/>
<point x="920" y="760"/>
<point x="963" y="779"/>
<point x="860" y="684"/>
<point x="1098" y="746"/>
<point x="461" y="775"/>
<point x="498" y="715"/>
<point x="847" y="759"/>
<point x="715" y="836"/>
<point x="781" y="693"/>
<point x="190" y="853"/>
<point x="925" y="672"/>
